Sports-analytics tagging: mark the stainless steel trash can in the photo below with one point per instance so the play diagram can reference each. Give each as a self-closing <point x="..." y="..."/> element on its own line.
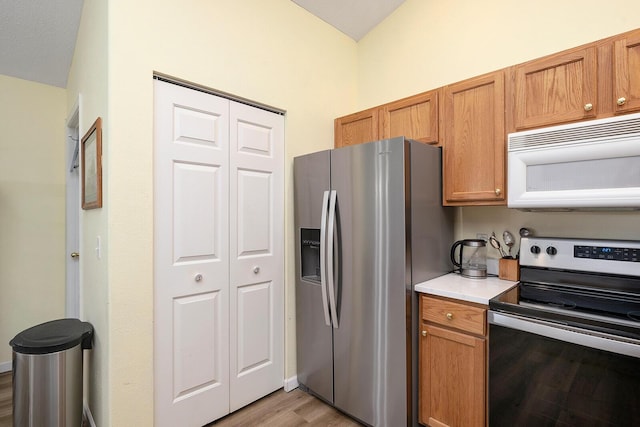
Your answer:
<point x="47" y="373"/>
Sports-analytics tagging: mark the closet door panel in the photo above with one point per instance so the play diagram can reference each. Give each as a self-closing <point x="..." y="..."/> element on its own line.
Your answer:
<point x="255" y="194"/>
<point x="191" y="259"/>
<point x="219" y="255"/>
<point x="257" y="253"/>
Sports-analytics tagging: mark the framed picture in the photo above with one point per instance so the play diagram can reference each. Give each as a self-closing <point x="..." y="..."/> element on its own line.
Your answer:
<point x="92" y="167"/>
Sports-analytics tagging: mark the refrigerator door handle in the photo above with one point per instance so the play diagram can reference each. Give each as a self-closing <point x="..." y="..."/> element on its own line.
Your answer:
<point x="323" y="261"/>
<point x="330" y="231"/>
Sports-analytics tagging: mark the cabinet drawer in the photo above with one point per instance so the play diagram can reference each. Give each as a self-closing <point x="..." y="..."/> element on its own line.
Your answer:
<point x="454" y="314"/>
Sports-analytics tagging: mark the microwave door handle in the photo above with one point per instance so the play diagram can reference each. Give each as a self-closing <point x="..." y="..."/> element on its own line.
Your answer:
<point x="330" y="275"/>
<point x="323" y="261"/>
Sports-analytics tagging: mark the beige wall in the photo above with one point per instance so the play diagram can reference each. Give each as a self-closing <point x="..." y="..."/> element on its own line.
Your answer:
<point x="32" y="205"/>
<point x="271" y="52"/>
<point x="428" y="44"/>
<point x="87" y="88"/>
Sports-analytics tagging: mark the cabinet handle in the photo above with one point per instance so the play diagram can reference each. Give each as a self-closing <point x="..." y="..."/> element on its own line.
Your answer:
<point x="198" y="277"/>
<point x="424" y="333"/>
<point x="450" y="316"/>
<point x="621" y="101"/>
<point x="588" y="107"/>
<point x="498" y="191"/>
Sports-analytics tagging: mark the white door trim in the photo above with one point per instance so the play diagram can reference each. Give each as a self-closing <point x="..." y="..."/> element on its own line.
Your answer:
<point x="73" y="289"/>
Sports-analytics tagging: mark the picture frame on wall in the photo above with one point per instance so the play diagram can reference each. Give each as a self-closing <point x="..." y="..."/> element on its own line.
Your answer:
<point x="92" y="166"/>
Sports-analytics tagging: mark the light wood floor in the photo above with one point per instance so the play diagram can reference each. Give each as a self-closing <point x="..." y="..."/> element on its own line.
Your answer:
<point x="6" y="420"/>
<point x="282" y="409"/>
<point x="279" y="409"/>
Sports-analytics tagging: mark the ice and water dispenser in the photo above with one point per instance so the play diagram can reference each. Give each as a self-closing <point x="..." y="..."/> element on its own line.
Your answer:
<point x="310" y="256"/>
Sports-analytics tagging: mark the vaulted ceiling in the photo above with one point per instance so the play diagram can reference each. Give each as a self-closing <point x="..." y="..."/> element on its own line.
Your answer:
<point x="38" y="38"/>
<point x="355" y="18"/>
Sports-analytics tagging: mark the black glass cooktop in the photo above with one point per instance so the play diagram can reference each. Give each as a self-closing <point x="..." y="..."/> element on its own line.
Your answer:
<point x="602" y="303"/>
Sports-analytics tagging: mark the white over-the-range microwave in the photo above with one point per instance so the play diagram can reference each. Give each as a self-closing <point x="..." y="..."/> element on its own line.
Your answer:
<point x="586" y="165"/>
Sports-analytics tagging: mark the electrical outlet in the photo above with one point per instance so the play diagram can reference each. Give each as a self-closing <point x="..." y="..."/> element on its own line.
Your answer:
<point x="482" y="236"/>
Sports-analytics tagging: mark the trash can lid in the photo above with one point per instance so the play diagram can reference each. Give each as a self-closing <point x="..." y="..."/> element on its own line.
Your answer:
<point x="53" y="336"/>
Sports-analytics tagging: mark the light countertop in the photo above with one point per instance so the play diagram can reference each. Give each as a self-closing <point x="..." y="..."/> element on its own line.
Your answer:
<point x="453" y="285"/>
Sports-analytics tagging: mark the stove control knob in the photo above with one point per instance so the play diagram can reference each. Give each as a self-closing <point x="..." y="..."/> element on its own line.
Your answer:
<point x="535" y="249"/>
<point x="551" y="250"/>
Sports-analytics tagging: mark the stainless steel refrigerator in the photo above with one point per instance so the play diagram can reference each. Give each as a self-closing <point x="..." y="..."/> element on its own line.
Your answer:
<point x="369" y="225"/>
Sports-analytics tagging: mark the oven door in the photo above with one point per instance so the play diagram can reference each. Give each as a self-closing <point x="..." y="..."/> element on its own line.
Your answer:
<point x="542" y="373"/>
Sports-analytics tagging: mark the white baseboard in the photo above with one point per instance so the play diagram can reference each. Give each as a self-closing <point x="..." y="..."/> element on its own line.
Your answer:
<point x="5" y="366"/>
<point x="291" y="384"/>
<point x="87" y="413"/>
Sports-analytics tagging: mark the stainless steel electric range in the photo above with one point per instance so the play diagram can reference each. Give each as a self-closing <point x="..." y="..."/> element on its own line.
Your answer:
<point x="564" y="344"/>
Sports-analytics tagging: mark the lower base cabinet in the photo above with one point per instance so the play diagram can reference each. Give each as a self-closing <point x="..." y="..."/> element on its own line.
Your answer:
<point x="453" y="363"/>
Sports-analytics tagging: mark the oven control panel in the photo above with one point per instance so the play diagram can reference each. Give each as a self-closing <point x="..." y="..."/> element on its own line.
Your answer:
<point x="611" y="253"/>
<point x="600" y="256"/>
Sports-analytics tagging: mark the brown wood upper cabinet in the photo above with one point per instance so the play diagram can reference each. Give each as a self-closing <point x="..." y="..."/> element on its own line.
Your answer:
<point x="597" y="80"/>
<point x="471" y="119"/>
<point x="626" y="73"/>
<point x="473" y="136"/>
<point x="415" y="117"/>
<point x="556" y="89"/>
<point x="356" y="128"/>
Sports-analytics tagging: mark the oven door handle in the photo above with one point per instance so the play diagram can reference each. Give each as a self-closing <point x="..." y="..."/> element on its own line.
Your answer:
<point x="607" y="342"/>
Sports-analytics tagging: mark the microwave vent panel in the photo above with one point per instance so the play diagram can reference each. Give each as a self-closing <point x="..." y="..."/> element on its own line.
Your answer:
<point x="615" y="128"/>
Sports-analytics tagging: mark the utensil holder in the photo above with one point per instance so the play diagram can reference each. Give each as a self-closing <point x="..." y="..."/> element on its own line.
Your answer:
<point x="509" y="269"/>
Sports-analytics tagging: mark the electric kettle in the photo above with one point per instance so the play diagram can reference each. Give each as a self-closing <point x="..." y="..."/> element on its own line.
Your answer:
<point x="472" y="260"/>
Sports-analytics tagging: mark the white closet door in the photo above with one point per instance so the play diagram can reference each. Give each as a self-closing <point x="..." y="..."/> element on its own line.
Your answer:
<point x="191" y="260"/>
<point x="256" y="253"/>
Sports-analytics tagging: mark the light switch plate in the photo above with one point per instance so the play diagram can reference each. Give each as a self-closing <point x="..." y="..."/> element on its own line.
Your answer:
<point x="98" y="247"/>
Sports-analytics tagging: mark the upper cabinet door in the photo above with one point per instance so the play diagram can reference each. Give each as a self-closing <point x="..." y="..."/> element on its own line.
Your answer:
<point x="626" y="69"/>
<point x="473" y="137"/>
<point x="557" y="89"/>
<point x="356" y="128"/>
<point x="415" y="117"/>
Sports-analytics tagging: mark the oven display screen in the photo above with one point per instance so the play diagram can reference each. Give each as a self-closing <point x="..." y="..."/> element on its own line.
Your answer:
<point x="607" y="253"/>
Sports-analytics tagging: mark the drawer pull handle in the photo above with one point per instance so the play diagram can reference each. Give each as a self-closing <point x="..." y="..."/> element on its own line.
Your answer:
<point x="450" y="316"/>
<point x="424" y="333"/>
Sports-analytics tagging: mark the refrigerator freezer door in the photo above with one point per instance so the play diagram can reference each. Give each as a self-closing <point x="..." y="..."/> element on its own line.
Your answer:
<point x="313" y="335"/>
<point x="370" y="370"/>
